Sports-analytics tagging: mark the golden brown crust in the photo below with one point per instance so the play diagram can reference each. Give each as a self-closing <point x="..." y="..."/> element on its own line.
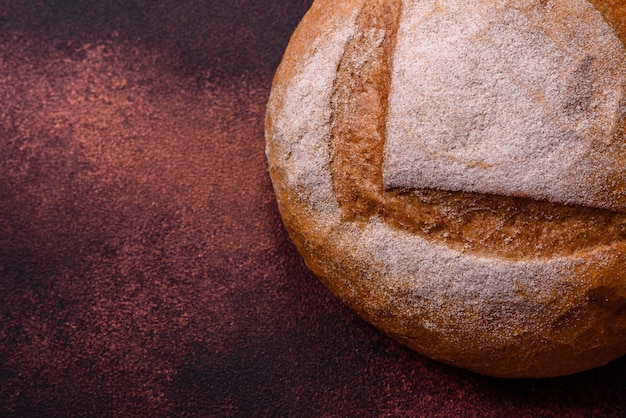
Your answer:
<point x="614" y="13"/>
<point x="582" y="322"/>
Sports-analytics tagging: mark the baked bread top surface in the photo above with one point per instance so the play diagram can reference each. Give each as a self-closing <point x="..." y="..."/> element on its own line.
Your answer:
<point x="479" y="269"/>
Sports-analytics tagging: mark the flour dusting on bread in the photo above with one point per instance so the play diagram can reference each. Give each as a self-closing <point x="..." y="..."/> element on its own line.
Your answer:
<point x="302" y="128"/>
<point x="517" y="115"/>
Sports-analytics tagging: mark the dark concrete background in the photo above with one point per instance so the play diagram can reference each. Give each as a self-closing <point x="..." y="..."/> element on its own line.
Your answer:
<point x="144" y="269"/>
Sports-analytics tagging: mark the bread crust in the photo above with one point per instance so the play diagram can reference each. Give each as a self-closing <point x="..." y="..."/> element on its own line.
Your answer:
<point x="508" y="286"/>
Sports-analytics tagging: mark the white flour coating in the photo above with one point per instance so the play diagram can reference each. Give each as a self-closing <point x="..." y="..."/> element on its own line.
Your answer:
<point x="509" y="297"/>
<point x="302" y="128"/>
<point x="516" y="115"/>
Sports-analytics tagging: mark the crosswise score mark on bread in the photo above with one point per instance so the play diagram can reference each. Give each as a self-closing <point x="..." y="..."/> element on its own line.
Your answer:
<point x="489" y="223"/>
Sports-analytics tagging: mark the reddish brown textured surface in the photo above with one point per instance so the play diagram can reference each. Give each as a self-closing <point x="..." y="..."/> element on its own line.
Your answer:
<point x="144" y="269"/>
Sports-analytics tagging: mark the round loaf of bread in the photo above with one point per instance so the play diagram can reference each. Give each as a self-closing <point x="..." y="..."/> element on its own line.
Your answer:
<point x="455" y="172"/>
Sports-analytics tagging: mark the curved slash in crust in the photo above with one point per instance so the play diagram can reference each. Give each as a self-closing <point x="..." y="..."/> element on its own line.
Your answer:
<point x="509" y="227"/>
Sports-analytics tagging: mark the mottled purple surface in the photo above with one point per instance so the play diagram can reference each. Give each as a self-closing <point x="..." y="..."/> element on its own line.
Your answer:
<point x="144" y="269"/>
